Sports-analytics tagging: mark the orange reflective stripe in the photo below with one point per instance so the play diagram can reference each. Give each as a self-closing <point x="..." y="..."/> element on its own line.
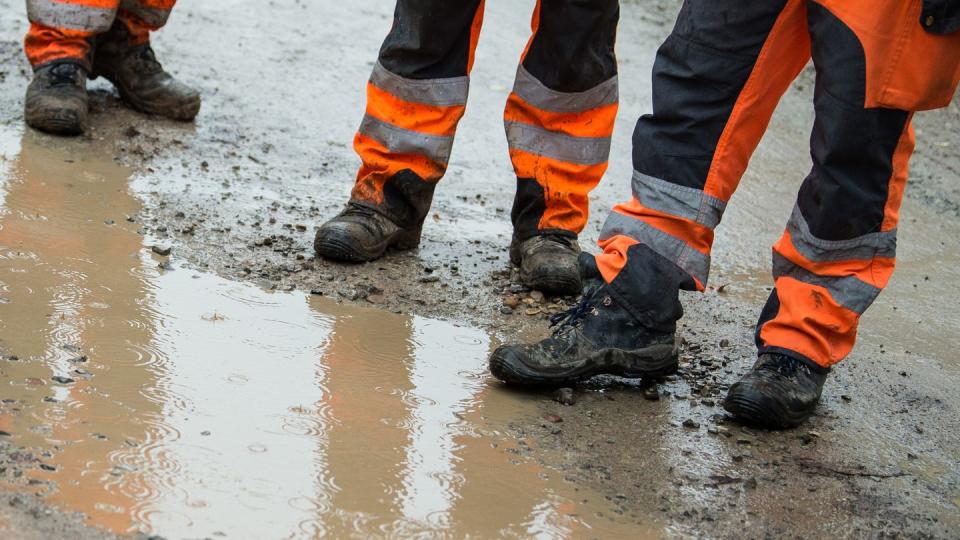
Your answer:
<point x="875" y="272"/>
<point x="811" y="323"/>
<point x="428" y="119"/>
<point x="565" y="186"/>
<point x="44" y="44"/>
<point x="591" y="123"/>
<point x="379" y="164"/>
<point x="675" y="239"/>
<point x="783" y="55"/>
<point x="695" y="235"/>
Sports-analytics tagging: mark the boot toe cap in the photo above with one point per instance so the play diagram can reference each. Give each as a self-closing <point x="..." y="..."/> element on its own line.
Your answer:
<point x="761" y="402"/>
<point x="342" y="241"/>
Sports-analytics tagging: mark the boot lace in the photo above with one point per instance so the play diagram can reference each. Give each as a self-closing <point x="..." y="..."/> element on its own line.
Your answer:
<point x="786" y="365"/>
<point x="63" y="75"/>
<point x="360" y="210"/>
<point x="572" y="317"/>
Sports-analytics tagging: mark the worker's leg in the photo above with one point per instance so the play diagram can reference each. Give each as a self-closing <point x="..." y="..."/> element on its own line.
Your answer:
<point x="839" y="247"/>
<point x="125" y="57"/>
<point x="62" y="29"/>
<point x="560" y="115"/>
<point x="144" y="16"/>
<point x="559" y="119"/>
<point x="415" y="99"/>
<point x="716" y="82"/>
<point x="58" y="46"/>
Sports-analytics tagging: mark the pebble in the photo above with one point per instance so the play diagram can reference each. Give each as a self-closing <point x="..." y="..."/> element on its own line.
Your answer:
<point x="553" y="418"/>
<point x="163" y="251"/>
<point x="349" y="294"/>
<point x="533" y="311"/>
<point x="691" y="423"/>
<point x="536" y="296"/>
<point x="432" y="278"/>
<point x="511" y="301"/>
<point x="565" y="396"/>
<point x="651" y="393"/>
<point x="62" y="380"/>
<point x="506" y="310"/>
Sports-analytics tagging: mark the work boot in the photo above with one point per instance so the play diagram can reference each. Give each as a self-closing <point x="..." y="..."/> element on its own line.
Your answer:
<point x="140" y="79"/>
<point x="361" y="234"/>
<point x="597" y="336"/>
<point x="57" y="100"/>
<point x="779" y="392"/>
<point x="548" y="263"/>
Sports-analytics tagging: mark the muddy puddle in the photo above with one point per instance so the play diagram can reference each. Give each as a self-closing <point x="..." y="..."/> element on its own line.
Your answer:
<point x="163" y="400"/>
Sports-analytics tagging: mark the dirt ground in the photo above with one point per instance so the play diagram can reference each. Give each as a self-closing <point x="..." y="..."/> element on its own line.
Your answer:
<point x="240" y="193"/>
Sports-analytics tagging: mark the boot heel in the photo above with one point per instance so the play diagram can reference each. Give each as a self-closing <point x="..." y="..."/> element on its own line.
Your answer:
<point x="409" y="239"/>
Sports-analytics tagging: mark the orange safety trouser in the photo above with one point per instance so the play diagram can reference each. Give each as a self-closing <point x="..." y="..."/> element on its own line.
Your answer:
<point x="558" y="119"/>
<point x="717" y="80"/>
<point x="61" y="29"/>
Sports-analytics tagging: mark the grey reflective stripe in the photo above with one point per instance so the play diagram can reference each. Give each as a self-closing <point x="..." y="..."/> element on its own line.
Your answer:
<point x="439" y="92"/>
<point x="848" y="291"/>
<point x="540" y="142"/>
<point x="680" y="201"/>
<point x="535" y="93"/>
<point x="152" y="16"/>
<point x="862" y="248"/>
<point x="70" y="16"/>
<point x="671" y="248"/>
<point x="404" y="141"/>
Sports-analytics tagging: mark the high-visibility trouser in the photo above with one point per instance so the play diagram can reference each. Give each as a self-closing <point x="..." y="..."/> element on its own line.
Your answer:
<point x="62" y="29"/>
<point x="559" y="116"/>
<point x="717" y="80"/>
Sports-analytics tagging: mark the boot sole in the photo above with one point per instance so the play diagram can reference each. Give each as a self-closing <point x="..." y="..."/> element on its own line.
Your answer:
<point x="650" y="362"/>
<point x="57" y="122"/>
<point x="341" y="249"/>
<point x="754" y="407"/>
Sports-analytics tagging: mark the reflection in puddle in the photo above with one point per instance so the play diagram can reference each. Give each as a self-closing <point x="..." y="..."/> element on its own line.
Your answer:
<point x="189" y="405"/>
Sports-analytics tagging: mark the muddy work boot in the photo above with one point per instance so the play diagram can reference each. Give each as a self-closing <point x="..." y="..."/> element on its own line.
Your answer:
<point x="57" y="99"/>
<point x="779" y="392"/>
<point x="548" y="263"/>
<point x="140" y="79"/>
<point x="598" y="336"/>
<point x="361" y="234"/>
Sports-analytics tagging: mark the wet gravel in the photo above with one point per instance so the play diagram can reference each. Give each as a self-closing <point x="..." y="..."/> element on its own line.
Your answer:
<point x="878" y="460"/>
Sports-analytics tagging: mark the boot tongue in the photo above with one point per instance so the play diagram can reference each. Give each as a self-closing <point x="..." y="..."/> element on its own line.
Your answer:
<point x="63" y="74"/>
<point x="147" y="61"/>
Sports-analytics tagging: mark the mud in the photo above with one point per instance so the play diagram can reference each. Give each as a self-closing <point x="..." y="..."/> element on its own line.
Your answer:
<point x="367" y="427"/>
